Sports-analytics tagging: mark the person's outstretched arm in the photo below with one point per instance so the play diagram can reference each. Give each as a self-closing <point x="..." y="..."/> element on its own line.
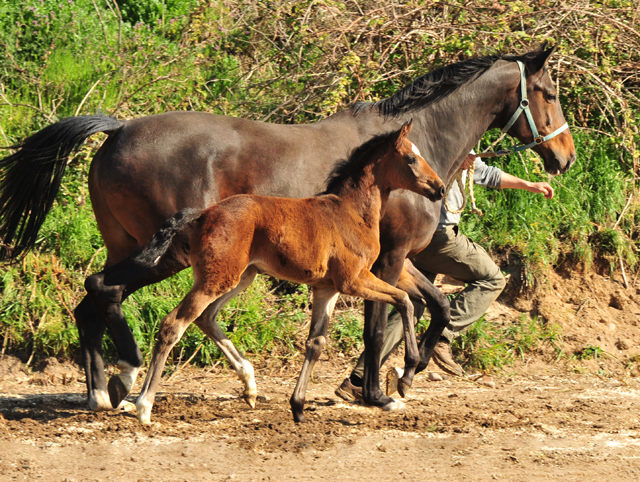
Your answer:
<point x="507" y="181"/>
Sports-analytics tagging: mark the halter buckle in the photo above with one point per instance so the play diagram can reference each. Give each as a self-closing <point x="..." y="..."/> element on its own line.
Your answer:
<point x="524" y="103"/>
<point x="538" y="140"/>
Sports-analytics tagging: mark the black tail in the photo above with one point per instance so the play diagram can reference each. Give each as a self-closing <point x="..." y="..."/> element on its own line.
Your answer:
<point x="30" y="178"/>
<point x="178" y="224"/>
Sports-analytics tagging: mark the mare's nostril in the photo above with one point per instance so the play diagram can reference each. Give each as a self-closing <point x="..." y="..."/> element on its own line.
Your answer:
<point x="441" y="192"/>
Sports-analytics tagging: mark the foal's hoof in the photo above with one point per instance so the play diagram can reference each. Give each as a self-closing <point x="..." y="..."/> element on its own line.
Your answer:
<point x="117" y="390"/>
<point x="299" y="417"/>
<point x="250" y="398"/>
<point x="393" y="406"/>
<point x="126" y="407"/>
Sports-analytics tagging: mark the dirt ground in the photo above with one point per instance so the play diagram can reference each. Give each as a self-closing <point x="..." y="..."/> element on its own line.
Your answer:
<point x="541" y="419"/>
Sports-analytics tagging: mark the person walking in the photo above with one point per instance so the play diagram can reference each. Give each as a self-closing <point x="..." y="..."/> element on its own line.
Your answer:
<point x="453" y="254"/>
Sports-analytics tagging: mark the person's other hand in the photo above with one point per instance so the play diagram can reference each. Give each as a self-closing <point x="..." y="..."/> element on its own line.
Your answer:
<point x="543" y="188"/>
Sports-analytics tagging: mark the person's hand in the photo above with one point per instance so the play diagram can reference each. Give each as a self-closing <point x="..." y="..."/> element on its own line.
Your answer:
<point x="468" y="161"/>
<point x="543" y="188"/>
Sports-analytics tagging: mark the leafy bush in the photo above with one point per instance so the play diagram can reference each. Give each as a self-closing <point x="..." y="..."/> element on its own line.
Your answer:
<point x="299" y="61"/>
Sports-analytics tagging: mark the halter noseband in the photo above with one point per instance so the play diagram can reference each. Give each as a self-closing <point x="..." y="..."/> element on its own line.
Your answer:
<point x="523" y="107"/>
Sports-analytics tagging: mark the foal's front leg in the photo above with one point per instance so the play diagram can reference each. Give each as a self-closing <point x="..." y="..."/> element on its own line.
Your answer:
<point x="374" y="289"/>
<point x="324" y="300"/>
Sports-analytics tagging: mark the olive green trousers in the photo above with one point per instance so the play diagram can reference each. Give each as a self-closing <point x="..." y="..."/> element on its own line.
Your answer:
<point x="455" y="255"/>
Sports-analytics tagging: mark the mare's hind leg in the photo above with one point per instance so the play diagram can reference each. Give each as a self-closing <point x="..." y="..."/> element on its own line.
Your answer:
<point x="418" y="287"/>
<point x="109" y="288"/>
<point x="91" y="330"/>
<point x="207" y="323"/>
<point x="374" y="289"/>
<point x="324" y="300"/>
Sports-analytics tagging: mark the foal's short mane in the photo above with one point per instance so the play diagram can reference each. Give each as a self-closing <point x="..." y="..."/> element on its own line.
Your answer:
<point x="351" y="170"/>
<point x="438" y="84"/>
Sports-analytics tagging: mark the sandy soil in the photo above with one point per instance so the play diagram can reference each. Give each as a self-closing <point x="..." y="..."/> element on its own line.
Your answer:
<point x="541" y="419"/>
<point x="527" y="428"/>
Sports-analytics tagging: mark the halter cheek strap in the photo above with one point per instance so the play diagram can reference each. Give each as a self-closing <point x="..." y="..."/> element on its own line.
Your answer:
<point x="537" y="139"/>
<point x="523" y="107"/>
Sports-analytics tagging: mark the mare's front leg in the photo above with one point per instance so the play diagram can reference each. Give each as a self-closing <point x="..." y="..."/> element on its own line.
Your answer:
<point x="387" y="268"/>
<point x="324" y="300"/>
<point x="419" y="288"/>
<point x="374" y="289"/>
<point x="207" y="323"/>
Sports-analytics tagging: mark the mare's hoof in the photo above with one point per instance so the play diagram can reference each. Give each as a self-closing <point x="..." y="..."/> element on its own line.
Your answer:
<point x="393" y="376"/>
<point x="99" y="401"/>
<point x="117" y="390"/>
<point x="403" y="387"/>
<point x="393" y="406"/>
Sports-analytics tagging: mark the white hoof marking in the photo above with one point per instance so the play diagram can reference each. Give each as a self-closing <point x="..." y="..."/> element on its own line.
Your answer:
<point x="99" y="401"/>
<point x="393" y="406"/>
<point x="128" y="374"/>
<point x="144" y="411"/>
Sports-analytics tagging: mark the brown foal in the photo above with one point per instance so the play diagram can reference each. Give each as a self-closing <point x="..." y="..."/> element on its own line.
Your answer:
<point x="329" y="241"/>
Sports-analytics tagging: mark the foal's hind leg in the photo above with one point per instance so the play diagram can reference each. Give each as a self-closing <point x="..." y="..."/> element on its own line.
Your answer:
<point x="171" y="330"/>
<point x="374" y="289"/>
<point x="324" y="300"/>
<point x="207" y="323"/>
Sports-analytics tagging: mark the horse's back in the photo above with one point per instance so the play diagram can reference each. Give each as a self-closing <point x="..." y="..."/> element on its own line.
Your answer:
<point x="157" y="165"/>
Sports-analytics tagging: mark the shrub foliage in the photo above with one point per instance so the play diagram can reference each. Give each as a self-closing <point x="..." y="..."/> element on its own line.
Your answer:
<point x="294" y="61"/>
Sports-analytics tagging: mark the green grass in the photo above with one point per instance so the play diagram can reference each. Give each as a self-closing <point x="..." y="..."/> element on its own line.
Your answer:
<point x="489" y="346"/>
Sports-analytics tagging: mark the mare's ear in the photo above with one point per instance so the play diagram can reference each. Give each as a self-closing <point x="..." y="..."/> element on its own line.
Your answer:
<point x="540" y="61"/>
<point x="404" y="132"/>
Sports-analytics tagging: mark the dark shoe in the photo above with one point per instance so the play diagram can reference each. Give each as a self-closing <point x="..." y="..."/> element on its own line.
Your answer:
<point x="444" y="359"/>
<point x="348" y="391"/>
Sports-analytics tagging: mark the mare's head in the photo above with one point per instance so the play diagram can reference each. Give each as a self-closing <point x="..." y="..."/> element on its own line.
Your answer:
<point x="406" y="168"/>
<point x="558" y="152"/>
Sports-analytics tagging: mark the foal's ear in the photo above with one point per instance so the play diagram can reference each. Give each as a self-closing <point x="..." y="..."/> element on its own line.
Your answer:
<point x="540" y="61"/>
<point x="404" y="132"/>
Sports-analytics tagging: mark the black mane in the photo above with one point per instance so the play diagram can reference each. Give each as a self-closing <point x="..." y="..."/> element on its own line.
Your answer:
<point x="437" y="84"/>
<point x="351" y="170"/>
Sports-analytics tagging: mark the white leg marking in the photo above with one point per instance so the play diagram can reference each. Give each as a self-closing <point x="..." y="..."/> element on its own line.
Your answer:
<point x="99" y="401"/>
<point x="126" y="406"/>
<point x="144" y="410"/>
<point x="128" y="374"/>
<point x="393" y="406"/>
<point x="243" y="369"/>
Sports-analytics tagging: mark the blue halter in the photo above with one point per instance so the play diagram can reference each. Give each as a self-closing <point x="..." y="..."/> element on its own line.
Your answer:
<point x="523" y="107"/>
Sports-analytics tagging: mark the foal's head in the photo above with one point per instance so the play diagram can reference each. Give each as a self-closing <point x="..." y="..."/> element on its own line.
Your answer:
<point x="407" y="169"/>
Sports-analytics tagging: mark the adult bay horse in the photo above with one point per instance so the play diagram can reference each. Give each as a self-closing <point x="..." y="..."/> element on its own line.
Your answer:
<point x="152" y="167"/>
<point x="329" y="241"/>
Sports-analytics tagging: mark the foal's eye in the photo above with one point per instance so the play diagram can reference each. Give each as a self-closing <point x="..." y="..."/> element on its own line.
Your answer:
<point x="411" y="159"/>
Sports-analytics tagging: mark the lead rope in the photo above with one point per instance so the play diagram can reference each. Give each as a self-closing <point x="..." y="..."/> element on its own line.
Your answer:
<point x="458" y="177"/>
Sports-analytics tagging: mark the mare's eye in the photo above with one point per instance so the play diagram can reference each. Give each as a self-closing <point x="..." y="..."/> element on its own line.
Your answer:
<point x="553" y="98"/>
<point x="411" y="159"/>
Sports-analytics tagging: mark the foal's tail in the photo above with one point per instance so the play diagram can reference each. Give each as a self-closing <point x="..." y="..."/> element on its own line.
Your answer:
<point x="175" y="230"/>
<point x="30" y="178"/>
